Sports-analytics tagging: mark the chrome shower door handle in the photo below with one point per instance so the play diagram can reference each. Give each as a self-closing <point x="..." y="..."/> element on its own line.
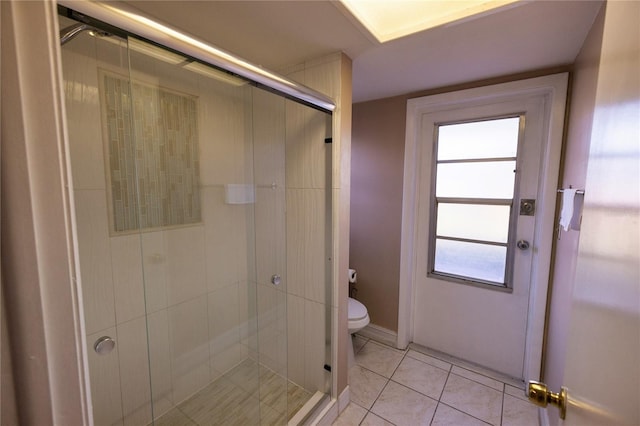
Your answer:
<point x="104" y="345"/>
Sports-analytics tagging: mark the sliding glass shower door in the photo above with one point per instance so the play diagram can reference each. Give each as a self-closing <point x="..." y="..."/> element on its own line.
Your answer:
<point x="202" y="209"/>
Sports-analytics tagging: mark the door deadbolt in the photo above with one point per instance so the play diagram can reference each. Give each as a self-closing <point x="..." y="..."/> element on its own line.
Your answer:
<point x="540" y="395"/>
<point x="523" y="244"/>
<point x="527" y="207"/>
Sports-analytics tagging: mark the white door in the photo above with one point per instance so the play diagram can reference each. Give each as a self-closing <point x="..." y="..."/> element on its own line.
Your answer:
<point x="472" y="291"/>
<point x="602" y="371"/>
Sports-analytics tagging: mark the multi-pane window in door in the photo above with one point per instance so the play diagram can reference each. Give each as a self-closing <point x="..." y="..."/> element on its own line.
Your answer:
<point x="473" y="193"/>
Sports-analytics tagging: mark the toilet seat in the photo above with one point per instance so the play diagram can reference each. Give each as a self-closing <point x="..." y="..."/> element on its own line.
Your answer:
<point x="358" y="316"/>
<point x="356" y="310"/>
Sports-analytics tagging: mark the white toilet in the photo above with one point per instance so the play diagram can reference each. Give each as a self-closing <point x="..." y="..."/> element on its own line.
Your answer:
<point x="358" y="319"/>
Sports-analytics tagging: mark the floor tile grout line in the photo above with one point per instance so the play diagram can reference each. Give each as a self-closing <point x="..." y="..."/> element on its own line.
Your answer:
<point x="464" y="412"/>
<point x="478" y="383"/>
<point x="371" y="371"/>
<point x="434" y="413"/>
<point x="482" y="384"/>
<point x="445" y="386"/>
<point x="388" y="379"/>
<point x="479" y="374"/>
<point x="448" y="369"/>
<point x="439" y="401"/>
<point x="398" y="366"/>
<point x="417" y="391"/>
<point x="468" y="366"/>
<point x="502" y="409"/>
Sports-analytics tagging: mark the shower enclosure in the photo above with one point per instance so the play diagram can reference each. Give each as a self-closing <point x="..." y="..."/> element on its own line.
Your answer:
<point x="203" y="217"/>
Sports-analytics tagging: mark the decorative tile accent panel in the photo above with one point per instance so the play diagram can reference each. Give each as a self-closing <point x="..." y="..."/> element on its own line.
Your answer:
<point x="152" y="150"/>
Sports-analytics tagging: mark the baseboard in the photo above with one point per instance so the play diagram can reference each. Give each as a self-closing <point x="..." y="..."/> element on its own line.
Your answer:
<point x="344" y="399"/>
<point x="379" y="334"/>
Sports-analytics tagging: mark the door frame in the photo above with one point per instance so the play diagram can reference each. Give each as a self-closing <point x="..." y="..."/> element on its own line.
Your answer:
<point x="554" y="89"/>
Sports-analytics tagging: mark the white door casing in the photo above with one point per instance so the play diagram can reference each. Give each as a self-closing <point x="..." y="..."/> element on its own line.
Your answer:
<point x="552" y="91"/>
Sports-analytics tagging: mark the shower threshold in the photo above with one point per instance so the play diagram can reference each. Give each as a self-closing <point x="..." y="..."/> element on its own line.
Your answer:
<point x="248" y="394"/>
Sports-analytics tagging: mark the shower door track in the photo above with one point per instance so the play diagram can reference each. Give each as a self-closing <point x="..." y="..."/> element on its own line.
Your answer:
<point x="131" y="22"/>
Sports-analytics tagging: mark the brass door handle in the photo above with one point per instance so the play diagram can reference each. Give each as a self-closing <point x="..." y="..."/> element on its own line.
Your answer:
<point x="540" y="395"/>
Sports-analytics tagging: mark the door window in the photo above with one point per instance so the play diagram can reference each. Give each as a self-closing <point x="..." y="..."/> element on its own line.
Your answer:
<point x="473" y="196"/>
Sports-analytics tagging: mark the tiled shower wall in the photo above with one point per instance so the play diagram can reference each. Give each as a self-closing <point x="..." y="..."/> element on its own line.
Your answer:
<point x="293" y="228"/>
<point x="197" y="281"/>
<point x="165" y="152"/>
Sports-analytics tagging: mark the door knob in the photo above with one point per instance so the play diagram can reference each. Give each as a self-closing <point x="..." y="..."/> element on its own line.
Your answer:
<point x="523" y="244"/>
<point x="540" y="395"/>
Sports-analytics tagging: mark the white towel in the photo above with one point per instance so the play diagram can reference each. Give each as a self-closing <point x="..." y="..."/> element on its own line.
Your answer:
<point x="566" y="213"/>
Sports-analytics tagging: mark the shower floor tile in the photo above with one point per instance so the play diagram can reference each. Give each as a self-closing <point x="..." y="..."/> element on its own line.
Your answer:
<point x="249" y="394"/>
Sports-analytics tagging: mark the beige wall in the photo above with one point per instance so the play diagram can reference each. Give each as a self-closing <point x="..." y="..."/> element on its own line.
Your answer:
<point x="575" y="156"/>
<point x="376" y="205"/>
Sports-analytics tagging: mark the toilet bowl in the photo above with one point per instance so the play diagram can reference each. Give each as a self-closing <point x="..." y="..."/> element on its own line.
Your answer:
<point x="358" y="319"/>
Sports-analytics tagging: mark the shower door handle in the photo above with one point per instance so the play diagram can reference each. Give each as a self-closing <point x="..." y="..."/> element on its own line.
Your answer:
<point x="104" y="345"/>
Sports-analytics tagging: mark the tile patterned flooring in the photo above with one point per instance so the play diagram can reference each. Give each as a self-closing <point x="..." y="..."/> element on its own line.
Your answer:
<point x="407" y="388"/>
<point x="249" y="394"/>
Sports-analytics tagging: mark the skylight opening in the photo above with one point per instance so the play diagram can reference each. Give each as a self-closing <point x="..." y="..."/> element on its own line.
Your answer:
<point x="387" y="20"/>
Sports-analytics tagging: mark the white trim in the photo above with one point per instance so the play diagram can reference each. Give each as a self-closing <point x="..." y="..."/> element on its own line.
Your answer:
<point x="554" y="87"/>
<point x="40" y="267"/>
<point x="379" y="334"/>
<point x="409" y="208"/>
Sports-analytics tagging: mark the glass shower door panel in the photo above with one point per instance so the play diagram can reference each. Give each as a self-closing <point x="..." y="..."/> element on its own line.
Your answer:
<point x="270" y="253"/>
<point x="110" y="262"/>
<point x="203" y="211"/>
<point x="308" y="219"/>
<point x="194" y="185"/>
<point x="292" y="219"/>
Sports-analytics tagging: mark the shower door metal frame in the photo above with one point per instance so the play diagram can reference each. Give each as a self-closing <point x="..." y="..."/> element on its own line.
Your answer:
<point x="139" y="26"/>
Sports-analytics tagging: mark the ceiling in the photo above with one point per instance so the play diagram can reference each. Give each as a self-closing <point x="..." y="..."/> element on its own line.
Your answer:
<point x="275" y="34"/>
